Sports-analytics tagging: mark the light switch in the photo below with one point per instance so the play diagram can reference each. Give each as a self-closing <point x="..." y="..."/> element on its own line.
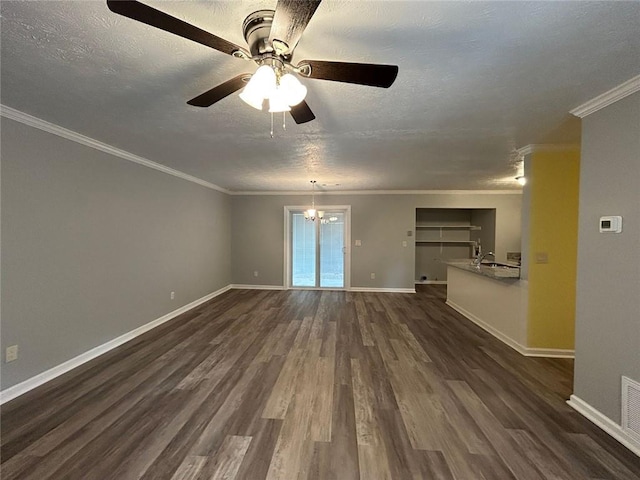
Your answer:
<point x="542" y="257"/>
<point x="358" y="243"/>
<point x="404" y="243"/>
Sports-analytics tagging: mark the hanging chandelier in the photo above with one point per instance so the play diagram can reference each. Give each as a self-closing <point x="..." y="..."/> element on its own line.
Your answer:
<point x="311" y="213"/>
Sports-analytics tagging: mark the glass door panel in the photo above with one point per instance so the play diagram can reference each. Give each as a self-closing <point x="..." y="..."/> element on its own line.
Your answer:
<point x="332" y="250"/>
<point x="303" y="251"/>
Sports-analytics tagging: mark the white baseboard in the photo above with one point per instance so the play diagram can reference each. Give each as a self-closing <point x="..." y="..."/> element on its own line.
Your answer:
<point x="549" y="352"/>
<point x="431" y="282"/>
<point x="240" y="286"/>
<point x="526" y="351"/>
<point x="604" y="422"/>
<point x="48" y="375"/>
<point x="382" y="290"/>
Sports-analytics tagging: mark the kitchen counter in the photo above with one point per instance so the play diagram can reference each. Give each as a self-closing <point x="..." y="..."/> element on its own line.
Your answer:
<point x="491" y="299"/>
<point x="497" y="271"/>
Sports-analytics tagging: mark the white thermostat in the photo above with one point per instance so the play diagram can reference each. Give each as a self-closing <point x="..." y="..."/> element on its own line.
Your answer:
<point x="611" y="224"/>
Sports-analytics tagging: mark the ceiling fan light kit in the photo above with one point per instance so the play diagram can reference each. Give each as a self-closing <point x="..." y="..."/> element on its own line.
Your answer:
<point x="272" y="36"/>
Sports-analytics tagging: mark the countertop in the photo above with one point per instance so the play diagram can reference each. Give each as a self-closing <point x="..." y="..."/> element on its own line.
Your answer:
<point x="503" y="273"/>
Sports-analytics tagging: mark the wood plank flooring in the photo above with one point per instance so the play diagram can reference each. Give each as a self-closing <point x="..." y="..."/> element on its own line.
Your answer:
<point x="311" y="385"/>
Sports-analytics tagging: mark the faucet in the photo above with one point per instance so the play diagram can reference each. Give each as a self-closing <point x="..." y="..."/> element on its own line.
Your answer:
<point x="478" y="260"/>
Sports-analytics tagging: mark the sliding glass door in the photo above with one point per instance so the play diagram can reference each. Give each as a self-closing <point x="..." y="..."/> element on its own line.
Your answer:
<point x="317" y="250"/>
<point x="331" y="254"/>
<point x="303" y="251"/>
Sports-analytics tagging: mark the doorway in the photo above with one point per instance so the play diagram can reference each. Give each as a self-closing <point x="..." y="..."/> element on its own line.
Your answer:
<point x="316" y="252"/>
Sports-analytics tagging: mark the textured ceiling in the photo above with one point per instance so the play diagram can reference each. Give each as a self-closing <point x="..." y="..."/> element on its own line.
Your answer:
<point x="476" y="80"/>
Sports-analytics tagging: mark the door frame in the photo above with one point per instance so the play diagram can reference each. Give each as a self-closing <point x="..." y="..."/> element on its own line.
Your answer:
<point x="288" y="209"/>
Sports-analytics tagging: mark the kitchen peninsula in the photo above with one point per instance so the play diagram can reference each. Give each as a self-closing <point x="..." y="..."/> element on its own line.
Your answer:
<point x="493" y="296"/>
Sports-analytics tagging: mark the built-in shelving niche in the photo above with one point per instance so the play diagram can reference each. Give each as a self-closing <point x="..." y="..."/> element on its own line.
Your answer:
<point x="443" y="234"/>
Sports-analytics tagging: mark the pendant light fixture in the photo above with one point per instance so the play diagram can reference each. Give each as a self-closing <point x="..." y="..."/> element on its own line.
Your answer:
<point x="311" y="213"/>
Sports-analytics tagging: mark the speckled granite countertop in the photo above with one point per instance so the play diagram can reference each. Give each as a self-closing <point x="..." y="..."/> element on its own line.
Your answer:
<point x="497" y="272"/>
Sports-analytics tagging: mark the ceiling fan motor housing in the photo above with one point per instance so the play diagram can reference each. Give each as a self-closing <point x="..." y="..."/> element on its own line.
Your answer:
<point x="256" y="28"/>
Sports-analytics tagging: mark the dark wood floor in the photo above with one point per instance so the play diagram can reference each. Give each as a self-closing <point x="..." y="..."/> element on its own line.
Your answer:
<point x="307" y="384"/>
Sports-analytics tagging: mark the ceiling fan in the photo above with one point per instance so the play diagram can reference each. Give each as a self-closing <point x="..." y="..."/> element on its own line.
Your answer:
<point x="272" y="36"/>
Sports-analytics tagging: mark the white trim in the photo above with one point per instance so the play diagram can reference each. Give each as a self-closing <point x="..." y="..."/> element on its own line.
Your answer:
<point x="547" y="147"/>
<point x="521" y="349"/>
<point x="526" y="150"/>
<point x="431" y="282"/>
<point x="629" y="87"/>
<point x="45" y="126"/>
<point x="240" y="286"/>
<point x="48" y="375"/>
<point x="48" y="127"/>
<point x="549" y="352"/>
<point x="485" y="326"/>
<point x="604" y="422"/>
<point x="320" y="193"/>
<point x="382" y="290"/>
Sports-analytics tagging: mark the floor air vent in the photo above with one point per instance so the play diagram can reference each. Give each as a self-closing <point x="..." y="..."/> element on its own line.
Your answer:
<point x="631" y="408"/>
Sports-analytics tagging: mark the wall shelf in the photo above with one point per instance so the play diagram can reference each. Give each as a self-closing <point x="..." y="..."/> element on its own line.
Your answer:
<point x="443" y="234"/>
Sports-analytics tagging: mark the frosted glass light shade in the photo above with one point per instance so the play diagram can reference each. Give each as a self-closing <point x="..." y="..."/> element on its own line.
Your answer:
<point x="264" y="80"/>
<point x="312" y="214"/>
<point x="278" y="101"/>
<point x="252" y="97"/>
<point x="295" y="91"/>
<point x="261" y="86"/>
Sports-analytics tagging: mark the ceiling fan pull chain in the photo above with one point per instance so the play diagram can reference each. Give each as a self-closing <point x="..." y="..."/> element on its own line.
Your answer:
<point x="271" y="124"/>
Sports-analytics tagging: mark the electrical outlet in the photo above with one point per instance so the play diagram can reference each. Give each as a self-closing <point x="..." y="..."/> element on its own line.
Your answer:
<point x="358" y="243"/>
<point x="255" y="273"/>
<point x="373" y="276"/>
<point x="173" y="295"/>
<point x="11" y="353"/>
<point x="404" y="243"/>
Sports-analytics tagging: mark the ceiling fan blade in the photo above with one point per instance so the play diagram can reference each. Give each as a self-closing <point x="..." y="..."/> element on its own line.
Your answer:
<point x="219" y="92"/>
<point x="289" y="21"/>
<point x="301" y="113"/>
<point x="145" y="14"/>
<point x="361" y="73"/>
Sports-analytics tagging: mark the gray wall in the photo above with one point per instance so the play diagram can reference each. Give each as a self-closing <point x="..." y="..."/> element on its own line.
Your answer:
<point x="608" y="283"/>
<point x="92" y="246"/>
<point x="381" y="222"/>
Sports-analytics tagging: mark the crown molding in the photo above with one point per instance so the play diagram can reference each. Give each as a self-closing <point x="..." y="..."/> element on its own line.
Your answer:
<point x="547" y="147"/>
<point x="25" y="118"/>
<point x="607" y="98"/>
<point x="45" y="126"/>
<point x="380" y="192"/>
